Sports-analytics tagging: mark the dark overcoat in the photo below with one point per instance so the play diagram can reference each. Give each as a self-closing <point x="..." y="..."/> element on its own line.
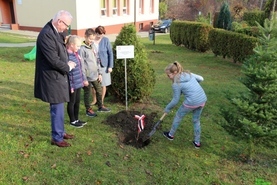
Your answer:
<point x="51" y="70"/>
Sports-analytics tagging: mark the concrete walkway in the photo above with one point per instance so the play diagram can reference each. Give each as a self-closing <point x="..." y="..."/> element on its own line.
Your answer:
<point x="33" y="34"/>
<point x="17" y="45"/>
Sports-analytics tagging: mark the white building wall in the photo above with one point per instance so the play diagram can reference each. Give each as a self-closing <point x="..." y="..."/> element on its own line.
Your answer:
<point x="86" y="13"/>
<point x="89" y="14"/>
<point x="35" y="13"/>
<point x="147" y="15"/>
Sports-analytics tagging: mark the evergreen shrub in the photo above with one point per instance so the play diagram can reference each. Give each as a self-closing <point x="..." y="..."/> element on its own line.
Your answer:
<point x="140" y="75"/>
<point x="253" y="115"/>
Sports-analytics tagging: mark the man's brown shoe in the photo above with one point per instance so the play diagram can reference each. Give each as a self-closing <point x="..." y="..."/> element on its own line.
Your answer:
<point x="68" y="136"/>
<point x="60" y="144"/>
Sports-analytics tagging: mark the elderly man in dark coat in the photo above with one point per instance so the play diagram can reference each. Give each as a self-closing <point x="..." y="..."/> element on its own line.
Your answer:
<point x="51" y="73"/>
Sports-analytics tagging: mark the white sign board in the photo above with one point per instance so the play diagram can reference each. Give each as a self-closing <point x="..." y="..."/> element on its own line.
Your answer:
<point x="124" y="52"/>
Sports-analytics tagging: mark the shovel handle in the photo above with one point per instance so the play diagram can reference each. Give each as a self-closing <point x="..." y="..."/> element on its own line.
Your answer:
<point x="156" y="125"/>
<point x="162" y="117"/>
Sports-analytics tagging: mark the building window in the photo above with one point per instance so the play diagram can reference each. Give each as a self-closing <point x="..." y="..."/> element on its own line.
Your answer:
<point x="124" y="8"/>
<point x="151" y="6"/>
<point x="103" y="8"/>
<point x="115" y="7"/>
<point x="141" y="26"/>
<point x="141" y="5"/>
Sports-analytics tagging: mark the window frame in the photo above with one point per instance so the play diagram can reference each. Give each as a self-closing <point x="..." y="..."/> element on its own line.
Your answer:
<point x="115" y="8"/>
<point x="124" y="8"/>
<point x="103" y="8"/>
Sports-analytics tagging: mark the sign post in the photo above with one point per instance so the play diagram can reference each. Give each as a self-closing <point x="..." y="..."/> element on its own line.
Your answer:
<point x="124" y="52"/>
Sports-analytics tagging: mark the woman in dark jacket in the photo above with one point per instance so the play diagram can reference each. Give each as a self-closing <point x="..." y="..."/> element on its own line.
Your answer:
<point x="51" y="73"/>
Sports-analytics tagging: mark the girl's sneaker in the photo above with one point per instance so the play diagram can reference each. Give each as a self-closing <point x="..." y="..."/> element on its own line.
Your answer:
<point x="82" y="122"/>
<point x="168" y="136"/>
<point x="196" y="145"/>
<point x="76" y="124"/>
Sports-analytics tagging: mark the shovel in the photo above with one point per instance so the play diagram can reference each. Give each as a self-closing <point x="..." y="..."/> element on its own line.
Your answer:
<point x="156" y="125"/>
<point x="147" y="141"/>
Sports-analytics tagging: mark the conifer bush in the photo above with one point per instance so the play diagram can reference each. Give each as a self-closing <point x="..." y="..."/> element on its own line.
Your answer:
<point x="254" y="113"/>
<point x="224" y="19"/>
<point x="140" y="75"/>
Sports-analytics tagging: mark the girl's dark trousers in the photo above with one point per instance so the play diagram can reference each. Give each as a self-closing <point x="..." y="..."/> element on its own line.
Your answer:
<point x="74" y="105"/>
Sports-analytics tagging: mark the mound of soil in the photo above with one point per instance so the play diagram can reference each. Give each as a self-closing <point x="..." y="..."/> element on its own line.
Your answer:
<point x="127" y="125"/>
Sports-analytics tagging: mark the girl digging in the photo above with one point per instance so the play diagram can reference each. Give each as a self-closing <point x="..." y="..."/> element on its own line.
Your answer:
<point x="186" y="83"/>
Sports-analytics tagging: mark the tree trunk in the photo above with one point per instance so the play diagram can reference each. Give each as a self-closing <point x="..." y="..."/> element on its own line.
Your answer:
<point x="261" y="5"/>
<point x="273" y="10"/>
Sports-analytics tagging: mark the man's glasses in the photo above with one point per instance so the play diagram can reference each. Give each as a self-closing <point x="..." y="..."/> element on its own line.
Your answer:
<point x="65" y="23"/>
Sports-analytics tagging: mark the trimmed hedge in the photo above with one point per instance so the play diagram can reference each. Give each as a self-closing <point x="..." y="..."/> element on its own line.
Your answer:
<point x="203" y="37"/>
<point x="234" y="45"/>
<point x="193" y="35"/>
<point x="251" y="17"/>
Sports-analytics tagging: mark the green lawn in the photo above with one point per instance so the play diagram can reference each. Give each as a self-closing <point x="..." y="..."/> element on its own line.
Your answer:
<point x="15" y="38"/>
<point x="26" y="156"/>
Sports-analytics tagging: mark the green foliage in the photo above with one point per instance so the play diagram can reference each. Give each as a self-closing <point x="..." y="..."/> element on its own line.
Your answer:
<point x="251" y="31"/>
<point x="255" y="116"/>
<point x="203" y="19"/>
<point x="236" y="26"/>
<point x="230" y="44"/>
<point x="193" y="35"/>
<point x="243" y="27"/>
<point x="251" y="17"/>
<point x="140" y="74"/>
<point x="224" y="18"/>
<point x="162" y="10"/>
<point x="268" y="8"/>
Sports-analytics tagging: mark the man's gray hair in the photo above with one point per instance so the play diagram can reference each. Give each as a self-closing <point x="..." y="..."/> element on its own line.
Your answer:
<point x="62" y="13"/>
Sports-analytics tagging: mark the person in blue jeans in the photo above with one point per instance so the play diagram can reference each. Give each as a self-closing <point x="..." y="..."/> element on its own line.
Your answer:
<point x="51" y="73"/>
<point x="186" y="83"/>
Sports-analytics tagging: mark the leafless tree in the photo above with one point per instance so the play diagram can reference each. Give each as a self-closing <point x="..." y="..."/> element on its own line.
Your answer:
<point x="190" y="9"/>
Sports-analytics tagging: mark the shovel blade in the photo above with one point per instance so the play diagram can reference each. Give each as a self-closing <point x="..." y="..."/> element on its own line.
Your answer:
<point x="154" y="128"/>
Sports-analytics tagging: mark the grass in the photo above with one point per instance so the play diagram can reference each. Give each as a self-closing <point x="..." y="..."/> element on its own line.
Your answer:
<point x="15" y="38"/>
<point x="97" y="157"/>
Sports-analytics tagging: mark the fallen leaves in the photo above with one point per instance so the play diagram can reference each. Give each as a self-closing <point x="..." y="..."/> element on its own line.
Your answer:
<point x="25" y="155"/>
<point x="53" y="166"/>
<point x="148" y="172"/>
<point x="89" y="152"/>
<point x="25" y="178"/>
